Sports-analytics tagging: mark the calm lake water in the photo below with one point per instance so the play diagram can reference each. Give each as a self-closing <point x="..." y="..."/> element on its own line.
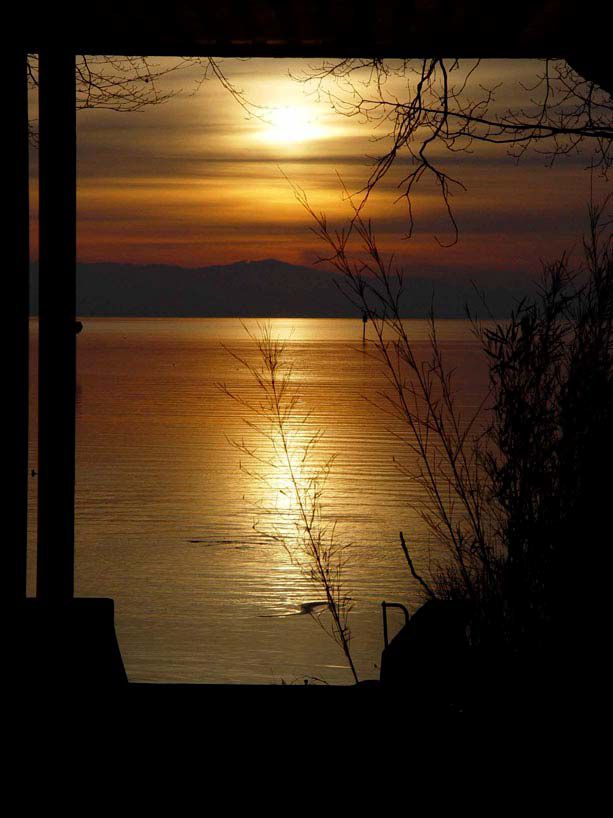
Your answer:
<point x="167" y="520"/>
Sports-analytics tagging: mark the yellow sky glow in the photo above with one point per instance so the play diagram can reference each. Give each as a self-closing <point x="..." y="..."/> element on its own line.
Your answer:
<point x="198" y="181"/>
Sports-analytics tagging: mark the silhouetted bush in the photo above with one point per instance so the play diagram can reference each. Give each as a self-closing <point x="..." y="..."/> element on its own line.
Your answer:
<point x="516" y="493"/>
<point x="551" y="373"/>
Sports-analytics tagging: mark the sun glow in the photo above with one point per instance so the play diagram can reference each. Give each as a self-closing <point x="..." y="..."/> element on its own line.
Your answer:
<point x="291" y="124"/>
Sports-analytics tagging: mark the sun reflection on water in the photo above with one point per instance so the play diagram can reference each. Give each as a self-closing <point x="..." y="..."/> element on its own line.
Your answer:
<point x="201" y="594"/>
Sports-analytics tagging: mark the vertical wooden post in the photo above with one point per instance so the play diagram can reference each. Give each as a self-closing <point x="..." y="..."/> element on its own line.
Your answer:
<point x="57" y="351"/>
<point x="15" y="327"/>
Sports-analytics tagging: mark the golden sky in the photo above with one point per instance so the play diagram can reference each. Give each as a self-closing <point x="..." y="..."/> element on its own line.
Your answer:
<point x="197" y="181"/>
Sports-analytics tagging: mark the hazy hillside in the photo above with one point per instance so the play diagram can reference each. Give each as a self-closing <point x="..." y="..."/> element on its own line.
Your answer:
<point x="252" y="288"/>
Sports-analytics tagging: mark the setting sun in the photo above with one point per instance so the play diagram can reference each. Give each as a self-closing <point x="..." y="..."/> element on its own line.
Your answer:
<point x="291" y="124"/>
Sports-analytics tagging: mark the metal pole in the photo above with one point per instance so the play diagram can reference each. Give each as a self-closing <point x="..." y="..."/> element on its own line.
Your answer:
<point x="384" y="607"/>
<point x="15" y="327"/>
<point x="57" y="344"/>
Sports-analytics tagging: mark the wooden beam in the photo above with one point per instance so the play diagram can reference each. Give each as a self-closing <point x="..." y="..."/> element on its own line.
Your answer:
<point x="57" y="340"/>
<point x="15" y="328"/>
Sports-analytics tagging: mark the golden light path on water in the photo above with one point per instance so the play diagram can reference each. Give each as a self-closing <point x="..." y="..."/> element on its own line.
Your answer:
<point x="173" y="528"/>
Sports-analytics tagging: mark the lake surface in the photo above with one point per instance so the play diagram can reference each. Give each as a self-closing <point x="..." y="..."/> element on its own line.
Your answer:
<point x="169" y="517"/>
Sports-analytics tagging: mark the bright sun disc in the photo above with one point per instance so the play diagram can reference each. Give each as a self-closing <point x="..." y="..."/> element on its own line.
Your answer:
<point x="289" y="125"/>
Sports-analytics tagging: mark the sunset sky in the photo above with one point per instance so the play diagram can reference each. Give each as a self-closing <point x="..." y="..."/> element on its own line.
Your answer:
<point x="196" y="181"/>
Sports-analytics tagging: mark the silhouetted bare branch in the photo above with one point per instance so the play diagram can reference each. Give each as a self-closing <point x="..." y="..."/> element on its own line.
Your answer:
<point x="132" y="83"/>
<point x="284" y="465"/>
<point x="425" y="107"/>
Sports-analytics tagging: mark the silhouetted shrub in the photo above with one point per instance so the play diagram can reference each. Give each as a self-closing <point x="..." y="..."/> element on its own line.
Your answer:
<point x="551" y="373"/>
<point x="516" y="493"/>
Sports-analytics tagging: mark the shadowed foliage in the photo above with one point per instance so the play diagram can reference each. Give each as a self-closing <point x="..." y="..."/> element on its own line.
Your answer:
<point x="515" y="492"/>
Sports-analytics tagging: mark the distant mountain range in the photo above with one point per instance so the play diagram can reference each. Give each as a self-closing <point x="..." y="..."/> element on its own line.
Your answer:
<point x="256" y="288"/>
